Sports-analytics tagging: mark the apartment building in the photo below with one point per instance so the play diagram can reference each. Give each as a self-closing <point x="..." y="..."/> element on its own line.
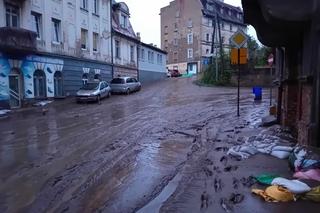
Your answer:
<point x="152" y="63"/>
<point x="187" y="31"/>
<point x="125" y="42"/>
<point x="50" y="48"/>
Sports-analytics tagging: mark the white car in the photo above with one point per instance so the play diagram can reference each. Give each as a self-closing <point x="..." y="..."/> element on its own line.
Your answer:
<point x="94" y="91"/>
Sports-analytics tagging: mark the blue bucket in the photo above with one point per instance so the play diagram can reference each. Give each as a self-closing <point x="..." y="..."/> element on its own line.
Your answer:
<point x="257" y="91"/>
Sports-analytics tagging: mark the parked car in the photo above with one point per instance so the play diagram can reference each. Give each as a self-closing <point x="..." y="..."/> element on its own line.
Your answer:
<point x="168" y="74"/>
<point x="175" y="73"/>
<point x="93" y="91"/>
<point x="125" y="85"/>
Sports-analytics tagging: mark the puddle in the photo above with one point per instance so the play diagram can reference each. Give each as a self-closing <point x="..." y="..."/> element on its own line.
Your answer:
<point x="155" y="205"/>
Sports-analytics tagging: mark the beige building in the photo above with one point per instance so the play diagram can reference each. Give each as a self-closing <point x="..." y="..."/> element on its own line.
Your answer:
<point x="187" y="28"/>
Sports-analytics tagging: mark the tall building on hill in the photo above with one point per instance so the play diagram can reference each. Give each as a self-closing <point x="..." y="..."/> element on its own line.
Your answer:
<point x="187" y="29"/>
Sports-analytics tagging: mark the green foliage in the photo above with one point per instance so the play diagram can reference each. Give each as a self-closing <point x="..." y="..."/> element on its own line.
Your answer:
<point x="258" y="55"/>
<point x="209" y="76"/>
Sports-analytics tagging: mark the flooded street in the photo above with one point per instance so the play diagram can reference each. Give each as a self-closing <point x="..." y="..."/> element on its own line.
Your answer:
<point x="128" y="154"/>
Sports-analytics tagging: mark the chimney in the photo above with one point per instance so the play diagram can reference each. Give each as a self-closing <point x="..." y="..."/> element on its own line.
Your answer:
<point x="138" y="36"/>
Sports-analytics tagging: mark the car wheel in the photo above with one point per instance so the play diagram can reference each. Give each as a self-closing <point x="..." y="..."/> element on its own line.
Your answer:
<point x="98" y="99"/>
<point x="128" y="92"/>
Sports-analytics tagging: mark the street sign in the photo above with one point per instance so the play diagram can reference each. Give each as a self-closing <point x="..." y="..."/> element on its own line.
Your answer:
<point x="243" y="55"/>
<point x="239" y="38"/>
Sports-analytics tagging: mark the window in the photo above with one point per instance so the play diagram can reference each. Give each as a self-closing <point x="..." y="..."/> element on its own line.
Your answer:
<point x="142" y="54"/>
<point x="123" y="21"/>
<point x="56" y="30"/>
<point x="159" y="58"/>
<point x="175" y="42"/>
<point x="149" y="57"/>
<point x="190" y="53"/>
<point x="37" y="24"/>
<point x="175" y="25"/>
<point x="12" y="16"/>
<point x="84" y="4"/>
<point x="175" y="56"/>
<point x="223" y="39"/>
<point x="222" y="24"/>
<point x="58" y="86"/>
<point x="84" y="39"/>
<point x="190" y="38"/>
<point x="39" y="84"/>
<point x="209" y="7"/>
<point x="132" y="53"/>
<point x="207" y="37"/>
<point x="117" y="45"/>
<point x="95" y="42"/>
<point x="190" y="23"/>
<point x="207" y="51"/>
<point x="230" y="27"/>
<point x="96" y="7"/>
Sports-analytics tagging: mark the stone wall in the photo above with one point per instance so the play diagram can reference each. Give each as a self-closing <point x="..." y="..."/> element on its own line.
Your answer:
<point x="256" y="77"/>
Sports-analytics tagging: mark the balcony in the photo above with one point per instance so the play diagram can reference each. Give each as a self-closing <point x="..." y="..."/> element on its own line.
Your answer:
<point x="17" y="40"/>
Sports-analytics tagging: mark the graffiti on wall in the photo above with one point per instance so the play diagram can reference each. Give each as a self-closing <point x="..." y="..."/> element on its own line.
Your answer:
<point x="28" y="67"/>
<point x="4" y="79"/>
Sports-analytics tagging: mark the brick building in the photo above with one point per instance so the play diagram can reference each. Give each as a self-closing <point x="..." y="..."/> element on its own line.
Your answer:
<point x="187" y="28"/>
<point x="296" y="36"/>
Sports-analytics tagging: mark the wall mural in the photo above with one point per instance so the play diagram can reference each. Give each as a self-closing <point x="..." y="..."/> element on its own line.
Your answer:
<point x="4" y="79"/>
<point x="29" y="65"/>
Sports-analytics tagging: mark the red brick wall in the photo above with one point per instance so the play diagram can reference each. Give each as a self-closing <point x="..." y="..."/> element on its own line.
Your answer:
<point x="304" y="110"/>
<point x="289" y="106"/>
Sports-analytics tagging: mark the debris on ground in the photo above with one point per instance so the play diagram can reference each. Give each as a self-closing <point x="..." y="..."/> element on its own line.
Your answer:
<point x="225" y="205"/>
<point x="236" y="198"/>
<point x="42" y="103"/>
<point x="275" y="194"/>
<point x="204" y="200"/>
<point x="266" y="178"/>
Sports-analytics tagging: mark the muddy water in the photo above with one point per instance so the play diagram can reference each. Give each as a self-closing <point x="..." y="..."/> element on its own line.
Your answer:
<point x="113" y="157"/>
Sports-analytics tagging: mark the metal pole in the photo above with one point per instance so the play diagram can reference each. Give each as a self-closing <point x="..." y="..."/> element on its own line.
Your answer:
<point x="271" y="86"/>
<point x="238" y="83"/>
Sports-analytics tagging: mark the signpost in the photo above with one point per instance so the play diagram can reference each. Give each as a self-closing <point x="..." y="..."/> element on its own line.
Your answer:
<point x="239" y="56"/>
<point x="270" y="62"/>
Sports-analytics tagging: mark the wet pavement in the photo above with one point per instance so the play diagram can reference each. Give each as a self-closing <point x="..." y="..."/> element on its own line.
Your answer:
<point x="157" y="150"/>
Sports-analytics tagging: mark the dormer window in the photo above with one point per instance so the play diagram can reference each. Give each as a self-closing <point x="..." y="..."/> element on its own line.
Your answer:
<point x="123" y="21"/>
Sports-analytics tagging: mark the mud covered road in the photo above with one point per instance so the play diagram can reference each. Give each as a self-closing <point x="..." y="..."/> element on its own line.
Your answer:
<point x="128" y="154"/>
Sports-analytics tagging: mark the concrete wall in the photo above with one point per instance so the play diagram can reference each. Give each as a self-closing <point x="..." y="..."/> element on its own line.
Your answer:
<point x="74" y="69"/>
<point x="256" y="77"/>
<point x="149" y="76"/>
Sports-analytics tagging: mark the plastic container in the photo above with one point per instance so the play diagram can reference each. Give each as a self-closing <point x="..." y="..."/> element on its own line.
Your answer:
<point x="257" y="91"/>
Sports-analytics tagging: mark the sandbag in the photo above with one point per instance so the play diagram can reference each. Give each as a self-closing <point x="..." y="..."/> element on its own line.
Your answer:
<point x="294" y="186"/>
<point x="280" y="154"/>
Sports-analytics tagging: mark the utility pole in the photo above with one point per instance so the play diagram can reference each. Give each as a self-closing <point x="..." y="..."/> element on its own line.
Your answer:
<point x="220" y="42"/>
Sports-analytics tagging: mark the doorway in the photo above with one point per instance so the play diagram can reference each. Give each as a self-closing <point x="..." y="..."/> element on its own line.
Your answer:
<point x="39" y="83"/>
<point x="58" y="85"/>
<point x="192" y="68"/>
<point x="15" y="90"/>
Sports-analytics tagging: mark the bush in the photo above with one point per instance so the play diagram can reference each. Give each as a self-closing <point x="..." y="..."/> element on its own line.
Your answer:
<point x="209" y="76"/>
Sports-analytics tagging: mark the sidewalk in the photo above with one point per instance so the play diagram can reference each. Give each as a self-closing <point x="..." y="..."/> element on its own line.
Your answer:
<point x="209" y="181"/>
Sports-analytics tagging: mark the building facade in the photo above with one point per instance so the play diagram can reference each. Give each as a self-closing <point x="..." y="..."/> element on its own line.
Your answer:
<point x="152" y="63"/>
<point x="125" y="42"/>
<point x="295" y="36"/>
<point x="192" y="29"/>
<point x="53" y="48"/>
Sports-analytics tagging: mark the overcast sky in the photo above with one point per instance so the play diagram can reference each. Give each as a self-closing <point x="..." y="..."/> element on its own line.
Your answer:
<point x="145" y="17"/>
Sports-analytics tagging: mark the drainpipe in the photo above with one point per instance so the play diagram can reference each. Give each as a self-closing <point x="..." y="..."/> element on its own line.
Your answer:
<point x="281" y="66"/>
<point x="315" y="102"/>
<point x="111" y="36"/>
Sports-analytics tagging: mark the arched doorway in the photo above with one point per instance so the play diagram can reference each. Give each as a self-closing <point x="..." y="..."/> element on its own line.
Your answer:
<point x="15" y="88"/>
<point x="97" y="77"/>
<point x="58" y="84"/>
<point x="39" y="83"/>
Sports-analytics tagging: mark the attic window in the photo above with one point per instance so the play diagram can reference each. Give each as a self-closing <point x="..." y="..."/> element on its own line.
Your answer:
<point x="123" y="21"/>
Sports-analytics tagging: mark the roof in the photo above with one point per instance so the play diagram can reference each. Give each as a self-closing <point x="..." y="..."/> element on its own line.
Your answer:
<point x="217" y="5"/>
<point x="154" y="48"/>
<point x="127" y="32"/>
